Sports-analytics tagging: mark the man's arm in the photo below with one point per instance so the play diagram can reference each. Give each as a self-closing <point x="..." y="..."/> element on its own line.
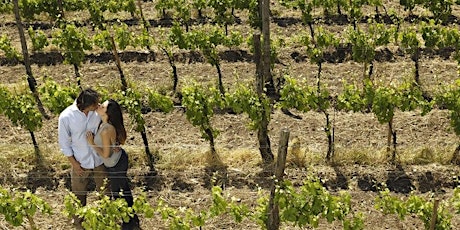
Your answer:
<point x="64" y="137"/>
<point x="65" y="142"/>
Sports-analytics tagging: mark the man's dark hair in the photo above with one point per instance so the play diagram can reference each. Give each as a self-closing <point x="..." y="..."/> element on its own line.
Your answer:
<point x="87" y="98"/>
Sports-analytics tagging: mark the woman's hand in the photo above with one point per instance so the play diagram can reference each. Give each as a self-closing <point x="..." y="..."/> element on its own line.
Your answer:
<point x="90" y="137"/>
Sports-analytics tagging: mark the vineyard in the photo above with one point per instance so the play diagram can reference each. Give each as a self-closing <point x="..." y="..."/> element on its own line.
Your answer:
<point x="368" y="90"/>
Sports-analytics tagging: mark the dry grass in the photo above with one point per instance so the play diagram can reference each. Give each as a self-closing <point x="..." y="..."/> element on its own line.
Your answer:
<point x="427" y="155"/>
<point x="302" y="157"/>
<point x="21" y="160"/>
<point x="361" y="156"/>
<point x="16" y="160"/>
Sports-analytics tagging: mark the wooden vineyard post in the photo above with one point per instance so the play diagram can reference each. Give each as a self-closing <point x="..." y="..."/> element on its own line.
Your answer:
<point x="266" y="63"/>
<point x="273" y="222"/>
<point x="434" y="215"/>
<point x="258" y="61"/>
<point x="262" y="130"/>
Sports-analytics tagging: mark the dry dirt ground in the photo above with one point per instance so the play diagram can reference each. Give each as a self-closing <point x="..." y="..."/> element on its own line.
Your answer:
<point x="424" y="142"/>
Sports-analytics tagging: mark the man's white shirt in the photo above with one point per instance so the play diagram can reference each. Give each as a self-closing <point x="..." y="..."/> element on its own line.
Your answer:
<point x="72" y="128"/>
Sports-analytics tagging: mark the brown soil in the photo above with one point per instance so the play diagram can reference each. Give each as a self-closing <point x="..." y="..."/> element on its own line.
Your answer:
<point x="171" y="136"/>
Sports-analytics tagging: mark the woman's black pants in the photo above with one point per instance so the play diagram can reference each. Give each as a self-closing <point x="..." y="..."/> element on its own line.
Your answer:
<point x="119" y="186"/>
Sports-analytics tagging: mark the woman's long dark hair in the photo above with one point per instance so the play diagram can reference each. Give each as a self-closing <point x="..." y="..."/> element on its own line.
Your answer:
<point x="115" y="117"/>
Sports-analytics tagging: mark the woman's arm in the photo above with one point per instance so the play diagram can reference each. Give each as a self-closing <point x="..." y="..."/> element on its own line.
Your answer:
<point x="107" y="135"/>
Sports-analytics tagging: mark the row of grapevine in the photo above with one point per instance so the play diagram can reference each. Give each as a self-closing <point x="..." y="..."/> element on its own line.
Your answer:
<point x="56" y="9"/>
<point x="440" y="10"/>
<point x="363" y="44"/>
<point x="305" y="206"/>
<point x="201" y="101"/>
<point x="381" y="100"/>
<point x="74" y="42"/>
<point x="223" y="12"/>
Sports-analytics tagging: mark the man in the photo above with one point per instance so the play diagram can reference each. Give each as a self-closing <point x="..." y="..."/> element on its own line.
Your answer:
<point x="74" y="122"/>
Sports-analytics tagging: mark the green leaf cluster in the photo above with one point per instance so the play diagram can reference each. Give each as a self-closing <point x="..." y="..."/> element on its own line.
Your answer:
<point x="177" y="36"/>
<point x="409" y="40"/>
<point x="39" y="39"/>
<point x="221" y="205"/>
<point x="455" y="200"/>
<point x="437" y="36"/>
<point x="183" y="218"/>
<point x="144" y="39"/>
<point x="303" y="97"/>
<point x="97" y="8"/>
<point x="30" y="8"/>
<point x="306" y="8"/>
<point x="131" y="100"/>
<point x="449" y="97"/>
<point x="181" y="9"/>
<point x="304" y="207"/>
<point x="364" y="43"/>
<point x="441" y="9"/>
<point x="73" y="41"/>
<point x="57" y="97"/>
<point x="208" y="39"/>
<point x="102" y="39"/>
<point x="200" y="102"/>
<point x="324" y="41"/>
<point x="6" y="6"/>
<point x="15" y="206"/>
<point x="222" y="11"/>
<point x="123" y="36"/>
<point x="245" y="100"/>
<point x="355" y="99"/>
<point x="160" y="102"/>
<point x="410" y="4"/>
<point x="433" y="35"/>
<point x="163" y="5"/>
<point x="104" y="213"/>
<point x="354" y="7"/>
<point x="10" y="52"/>
<point x="416" y="205"/>
<point x="384" y="100"/>
<point x="20" y="109"/>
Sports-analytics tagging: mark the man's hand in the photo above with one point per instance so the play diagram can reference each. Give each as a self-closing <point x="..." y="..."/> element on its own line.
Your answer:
<point x="117" y="147"/>
<point x="76" y="166"/>
<point x="78" y="170"/>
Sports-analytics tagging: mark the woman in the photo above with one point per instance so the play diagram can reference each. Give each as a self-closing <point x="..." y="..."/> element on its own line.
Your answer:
<point x="110" y="134"/>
